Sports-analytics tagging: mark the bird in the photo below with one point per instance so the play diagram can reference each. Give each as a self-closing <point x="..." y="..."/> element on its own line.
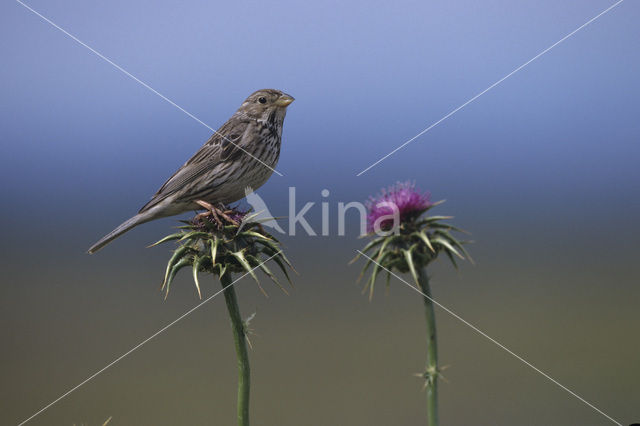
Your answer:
<point x="241" y="153"/>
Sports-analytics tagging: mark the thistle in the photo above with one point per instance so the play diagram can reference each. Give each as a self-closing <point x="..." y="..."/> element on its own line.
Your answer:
<point x="223" y="243"/>
<point x="407" y="241"/>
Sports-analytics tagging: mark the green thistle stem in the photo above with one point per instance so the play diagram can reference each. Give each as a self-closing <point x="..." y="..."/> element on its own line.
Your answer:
<point x="431" y="373"/>
<point x="239" y="339"/>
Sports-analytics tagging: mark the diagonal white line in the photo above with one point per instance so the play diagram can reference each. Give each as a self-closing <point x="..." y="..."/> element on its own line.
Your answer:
<point x="491" y="87"/>
<point x="163" y="329"/>
<point x="500" y="345"/>
<point x="136" y="79"/>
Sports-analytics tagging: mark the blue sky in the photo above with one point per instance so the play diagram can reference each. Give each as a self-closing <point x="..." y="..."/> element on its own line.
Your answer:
<point x="367" y="76"/>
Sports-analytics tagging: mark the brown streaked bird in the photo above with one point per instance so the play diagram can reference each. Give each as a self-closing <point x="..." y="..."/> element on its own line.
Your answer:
<point x="240" y="154"/>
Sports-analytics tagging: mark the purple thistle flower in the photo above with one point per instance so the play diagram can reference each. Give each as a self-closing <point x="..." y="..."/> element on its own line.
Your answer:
<point x="238" y="215"/>
<point x="408" y="200"/>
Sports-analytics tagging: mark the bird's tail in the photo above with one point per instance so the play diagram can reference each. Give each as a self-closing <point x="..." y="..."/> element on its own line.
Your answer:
<point x="121" y="229"/>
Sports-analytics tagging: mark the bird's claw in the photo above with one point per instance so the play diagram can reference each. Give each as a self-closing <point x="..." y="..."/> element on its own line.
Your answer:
<point x="215" y="213"/>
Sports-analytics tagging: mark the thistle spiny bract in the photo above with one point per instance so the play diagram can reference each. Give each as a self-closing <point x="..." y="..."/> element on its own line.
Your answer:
<point x="415" y="242"/>
<point x="216" y="245"/>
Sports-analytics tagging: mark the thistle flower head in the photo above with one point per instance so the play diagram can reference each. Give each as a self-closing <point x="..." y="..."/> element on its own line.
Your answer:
<point x="403" y="198"/>
<point x="221" y="244"/>
<point x="415" y="242"/>
<point x="209" y="223"/>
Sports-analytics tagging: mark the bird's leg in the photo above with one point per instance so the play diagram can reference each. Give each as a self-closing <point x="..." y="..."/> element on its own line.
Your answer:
<point x="216" y="213"/>
<point x="204" y="205"/>
<point x="224" y="212"/>
<point x="210" y="211"/>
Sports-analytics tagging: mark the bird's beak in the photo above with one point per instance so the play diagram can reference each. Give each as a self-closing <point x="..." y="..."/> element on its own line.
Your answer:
<point x="284" y="101"/>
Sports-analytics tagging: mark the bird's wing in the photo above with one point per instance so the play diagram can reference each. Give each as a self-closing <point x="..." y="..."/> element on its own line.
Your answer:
<point x="222" y="147"/>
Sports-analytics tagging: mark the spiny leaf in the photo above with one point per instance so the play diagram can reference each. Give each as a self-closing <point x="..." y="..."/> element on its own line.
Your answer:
<point x="372" y="244"/>
<point x="452" y="259"/>
<point x="174" y="270"/>
<point x="447" y="245"/>
<point x="270" y="244"/>
<point x="437" y="218"/>
<point x="193" y="234"/>
<point x="282" y="268"/>
<point x="272" y="250"/>
<point x="364" y="268"/>
<point x="464" y="251"/>
<point x="270" y="274"/>
<point x="414" y="246"/>
<point x="424" y="237"/>
<point x="214" y="249"/>
<point x="270" y="236"/>
<point x="223" y="269"/>
<point x="352" y="261"/>
<point x="248" y="218"/>
<point x="460" y="245"/>
<point x="254" y="263"/>
<point x="197" y="261"/>
<point x="282" y="255"/>
<point x="177" y="254"/>
<point x="374" y="273"/>
<point x="409" y="258"/>
<point x="239" y="255"/>
<point x="256" y="235"/>
<point x="364" y="250"/>
<point x="167" y="238"/>
<point x="381" y="251"/>
<point x="456" y="243"/>
<point x="372" y="280"/>
<point x="449" y="227"/>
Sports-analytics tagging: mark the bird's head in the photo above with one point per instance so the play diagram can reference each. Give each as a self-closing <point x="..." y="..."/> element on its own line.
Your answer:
<point x="266" y="104"/>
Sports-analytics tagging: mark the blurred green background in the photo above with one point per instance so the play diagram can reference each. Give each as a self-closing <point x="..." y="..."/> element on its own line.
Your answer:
<point x="324" y="354"/>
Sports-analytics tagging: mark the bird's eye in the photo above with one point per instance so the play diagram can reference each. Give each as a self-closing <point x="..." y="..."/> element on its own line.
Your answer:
<point x="262" y="100"/>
